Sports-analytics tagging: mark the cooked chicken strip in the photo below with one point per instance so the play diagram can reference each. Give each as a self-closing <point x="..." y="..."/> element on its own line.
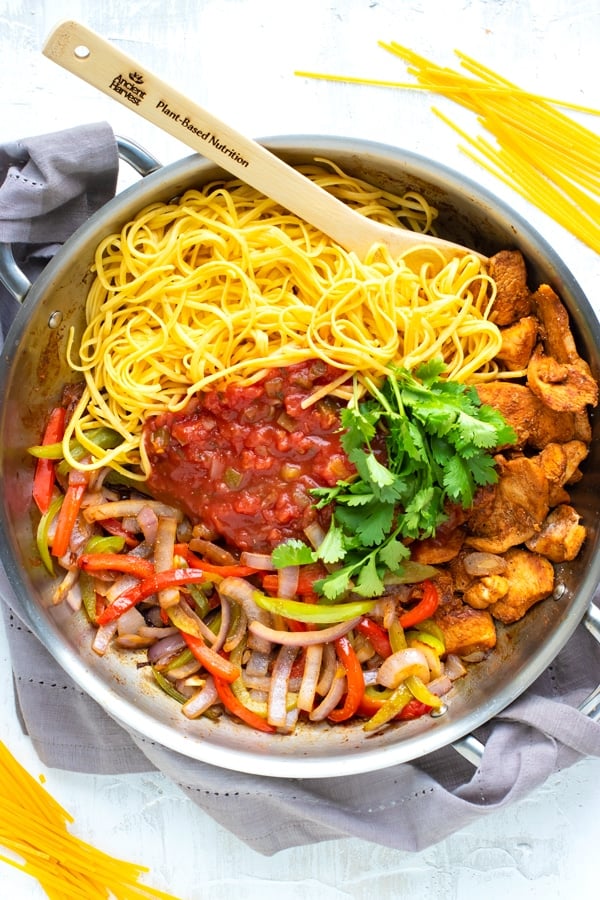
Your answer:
<point x="513" y="297"/>
<point x="530" y="579"/>
<point x="561" y="537"/>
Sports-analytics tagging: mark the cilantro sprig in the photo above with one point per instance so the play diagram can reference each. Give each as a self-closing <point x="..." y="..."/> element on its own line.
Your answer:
<point x="438" y="440"/>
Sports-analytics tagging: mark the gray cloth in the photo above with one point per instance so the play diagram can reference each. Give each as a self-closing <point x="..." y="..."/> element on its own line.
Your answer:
<point x="409" y="806"/>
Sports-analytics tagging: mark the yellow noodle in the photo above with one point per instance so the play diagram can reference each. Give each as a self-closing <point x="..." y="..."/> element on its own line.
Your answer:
<point x="550" y="159"/>
<point x="34" y="827"/>
<point x="223" y="284"/>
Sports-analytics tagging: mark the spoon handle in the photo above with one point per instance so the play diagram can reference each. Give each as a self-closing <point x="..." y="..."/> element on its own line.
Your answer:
<point x="93" y="59"/>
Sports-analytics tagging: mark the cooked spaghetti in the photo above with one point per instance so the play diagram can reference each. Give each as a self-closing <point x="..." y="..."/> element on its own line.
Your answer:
<point x="224" y="285"/>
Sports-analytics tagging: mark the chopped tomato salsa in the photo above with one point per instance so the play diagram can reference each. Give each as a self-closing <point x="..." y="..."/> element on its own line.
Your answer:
<point x="243" y="460"/>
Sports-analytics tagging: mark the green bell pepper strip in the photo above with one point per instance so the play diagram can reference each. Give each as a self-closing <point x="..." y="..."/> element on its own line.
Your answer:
<point x="104" y="543"/>
<point x="88" y="596"/>
<point x="167" y="686"/>
<point x="313" y="612"/>
<point x="42" y="539"/>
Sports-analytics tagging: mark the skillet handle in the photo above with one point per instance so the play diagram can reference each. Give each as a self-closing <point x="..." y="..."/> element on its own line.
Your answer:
<point x="12" y="277"/>
<point x="471" y="748"/>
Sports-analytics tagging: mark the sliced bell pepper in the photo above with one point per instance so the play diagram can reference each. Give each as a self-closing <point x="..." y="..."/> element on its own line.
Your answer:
<point x="145" y="589"/>
<point x="377" y="635"/>
<point x="43" y="480"/>
<point x="43" y="528"/>
<point x="355" y="681"/>
<point x="317" y="613"/>
<point x="69" y="511"/>
<point x="374" y="699"/>
<point x="218" y="666"/>
<point x="114" y="527"/>
<point x="233" y="705"/>
<point x="116" y="562"/>
<point x="425" y="608"/>
<point x="197" y="563"/>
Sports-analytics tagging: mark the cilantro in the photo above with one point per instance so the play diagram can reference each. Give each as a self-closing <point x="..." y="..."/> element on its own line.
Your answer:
<point x="438" y="441"/>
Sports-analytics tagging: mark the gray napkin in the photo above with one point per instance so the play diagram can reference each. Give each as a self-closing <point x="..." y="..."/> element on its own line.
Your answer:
<point x="409" y="806"/>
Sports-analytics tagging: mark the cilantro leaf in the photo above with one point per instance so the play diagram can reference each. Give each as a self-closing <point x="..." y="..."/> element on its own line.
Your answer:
<point x="292" y="552"/>
<point x="439" y="440"/>
<point x="333" y="548"/>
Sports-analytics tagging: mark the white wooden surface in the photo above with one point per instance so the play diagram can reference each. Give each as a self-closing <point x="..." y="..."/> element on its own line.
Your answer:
<point x="237" y="58"/>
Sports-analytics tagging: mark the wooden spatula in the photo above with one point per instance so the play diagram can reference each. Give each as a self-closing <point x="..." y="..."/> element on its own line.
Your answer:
<point x="90" y="57"/>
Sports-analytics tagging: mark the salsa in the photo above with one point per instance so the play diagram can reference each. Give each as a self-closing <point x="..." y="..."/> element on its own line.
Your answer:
<point x="243" y="460"/>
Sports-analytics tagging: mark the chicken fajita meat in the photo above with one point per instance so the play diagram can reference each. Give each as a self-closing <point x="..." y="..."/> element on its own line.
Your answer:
<point x="501" y="556"/>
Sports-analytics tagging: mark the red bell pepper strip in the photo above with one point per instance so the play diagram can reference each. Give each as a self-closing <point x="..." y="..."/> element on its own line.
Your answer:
<point x="233" y="705"/>
<point x="377" y="635"/>
<point x="425" y="608"/>
<point x="113" y="526"/>
<point x="218" y="666"/>
<point x="145" y="589"/>
<point x="43" y="480"/>
<point x="355" y="680"/>
<point x="212" y="568"/>
<point x="69" y="511"/>
<point x="116" y="562"/>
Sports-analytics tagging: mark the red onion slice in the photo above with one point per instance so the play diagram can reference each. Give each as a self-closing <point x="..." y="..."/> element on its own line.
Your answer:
<point x="302" y="638"/>
<point x="201" y="700"/>
<point x="278" y="690"/>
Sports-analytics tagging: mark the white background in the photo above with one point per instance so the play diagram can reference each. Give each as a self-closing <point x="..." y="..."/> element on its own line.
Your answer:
<point x="237" y="58"/>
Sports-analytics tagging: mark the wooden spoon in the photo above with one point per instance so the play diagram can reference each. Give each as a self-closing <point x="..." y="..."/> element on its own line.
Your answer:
<point x="84" y="53"/>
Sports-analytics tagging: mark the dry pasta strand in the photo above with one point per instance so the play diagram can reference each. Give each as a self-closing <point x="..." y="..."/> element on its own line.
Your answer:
<point x="34" y="827"/>
<point x="546" y="156"/>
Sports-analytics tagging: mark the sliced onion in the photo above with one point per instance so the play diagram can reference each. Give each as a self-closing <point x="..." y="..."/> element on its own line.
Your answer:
<point x="433" y="661"/>
<point x="479" y="563"/>
<point x="440" y="686"/>
<point x="310" y="677"/>
<point x="331" y="699"/>
<point x="258" y="663"/>
<point x="133" y="641"/>
<point x="165" y="648"/>
<point x="257" y="560"/>
<point x="185" y="669"/>
<point x="454" y="667"/>
<point x="157" y="633"/>
<point x="302" y="638"/>
<point x="278" y="690"/>
<point x="74" y="597"/>
<point x="328" y="669"/>
<point x="103" y="637"/>
<point x="120" y="585"/>
<point x="166" y="533"/>
<point x="237" y="633"/>
<point x="219" y="639"/>
<point x="241" y="591"/>
<point x="400" y="665"/>
<point x="130" y="621"/>
<point x="201" y="700"/>
<point x="287" y="581"/>
<point x="148" y="522"/>
<point x="212" y="552"/>
<point x="315" y="534"/>
<point x="61" y="591"/>
<point x="120" y="509"/>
